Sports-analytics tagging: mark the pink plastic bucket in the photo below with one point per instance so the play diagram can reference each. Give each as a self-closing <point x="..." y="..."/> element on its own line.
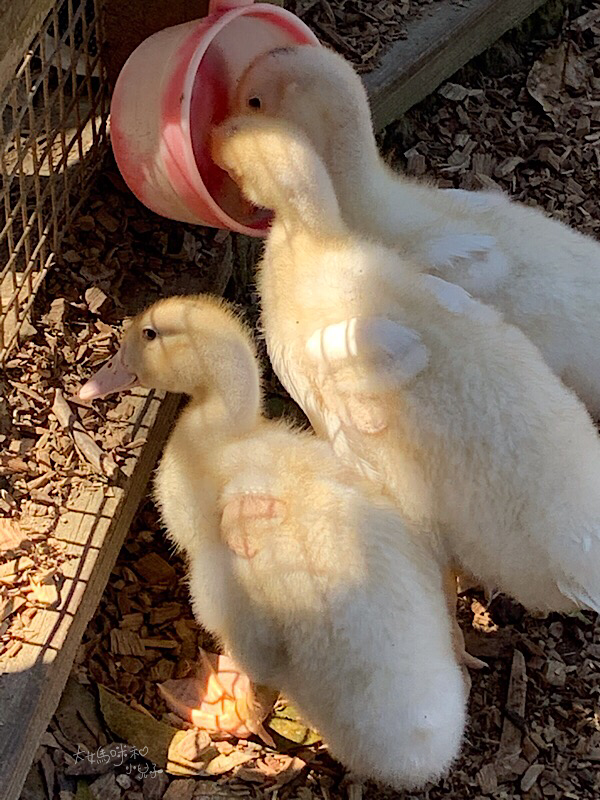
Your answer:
<point x="173" y="89"/>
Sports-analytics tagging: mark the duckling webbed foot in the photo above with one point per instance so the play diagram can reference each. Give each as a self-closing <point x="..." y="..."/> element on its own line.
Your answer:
<point x="220" y="699"/>
<point x="242" y="511"/>
<point x="462" y="656"/>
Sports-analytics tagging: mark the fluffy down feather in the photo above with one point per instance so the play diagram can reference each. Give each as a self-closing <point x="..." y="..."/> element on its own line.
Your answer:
<point x="540" y="274"/>
<point x="424" y="389"/>
<point x="310" y="578"/>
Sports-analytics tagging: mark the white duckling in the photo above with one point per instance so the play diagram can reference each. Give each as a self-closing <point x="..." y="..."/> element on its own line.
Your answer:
<point x="421" y="387"/>
<point x="312" y="581"/>
<point x="543" y="276"/>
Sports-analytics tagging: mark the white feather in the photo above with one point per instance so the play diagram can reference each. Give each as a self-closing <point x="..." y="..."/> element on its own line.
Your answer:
<point x="455" y="299"/>
<point x="485" y="444"/>
<point x="478" y="202"/>
<point x="539" y="274"/>
<point x="380" y="341"/>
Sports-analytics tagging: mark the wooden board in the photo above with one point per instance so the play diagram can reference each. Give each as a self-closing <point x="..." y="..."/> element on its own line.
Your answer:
<point x="92" y="529"/>
<point x="436" y="46"/>
<point x="21" y="20"/>
<point x="126" y="25"/>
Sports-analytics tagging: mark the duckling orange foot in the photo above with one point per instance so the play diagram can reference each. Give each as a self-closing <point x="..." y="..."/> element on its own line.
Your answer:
<point x="464" y="658"/>
<point x="243" y="514"/>
<point x="220" y="699"/>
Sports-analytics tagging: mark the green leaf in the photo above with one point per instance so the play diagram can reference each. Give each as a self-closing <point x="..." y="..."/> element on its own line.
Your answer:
<point x="143" y="731"/>
<point x="287" y="723"/>
<point x="83" y="791"/>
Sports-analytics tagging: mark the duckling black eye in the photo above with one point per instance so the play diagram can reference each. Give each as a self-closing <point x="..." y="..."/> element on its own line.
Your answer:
<point x="149" y="334"/>
<point x="254" y="102"/>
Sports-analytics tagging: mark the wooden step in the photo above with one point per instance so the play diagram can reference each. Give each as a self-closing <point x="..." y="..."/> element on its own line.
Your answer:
<point x="435" y="47"/>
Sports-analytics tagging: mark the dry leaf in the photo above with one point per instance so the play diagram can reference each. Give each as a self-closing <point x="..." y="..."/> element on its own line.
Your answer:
<point x="77" y="717"/>
<point x="220" y="699"/>
<point x="577" y="72"/>
<point x="546" y="78"/>
<point x="225" y="763"/>
<point x="10" y="534"/>
<point x="193" y="745"/>
<point x="559" y="67"/>
<point x="287" y="723"/>
<point x="155" y="740"/>
<point x="453" y="91"/>
<point x="88" y="448"/>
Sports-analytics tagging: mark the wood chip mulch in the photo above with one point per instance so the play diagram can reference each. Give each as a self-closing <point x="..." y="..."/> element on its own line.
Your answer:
<point x="534" y="730"/>
<point x="117" y="258"/>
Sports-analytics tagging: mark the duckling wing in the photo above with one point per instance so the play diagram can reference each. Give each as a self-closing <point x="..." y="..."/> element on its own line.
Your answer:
<point x="357" y="359"/>
<point x="456" y="300"/>
<point x="580" y="596"/>
<point x="479" y="202"/>
<point x="472" y="259"/>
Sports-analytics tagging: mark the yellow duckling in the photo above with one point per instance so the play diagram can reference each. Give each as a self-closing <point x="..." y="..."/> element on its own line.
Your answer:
<point x="540" y="274"/>
<point x="422" y="388"/>
<point x="311" y="580"/>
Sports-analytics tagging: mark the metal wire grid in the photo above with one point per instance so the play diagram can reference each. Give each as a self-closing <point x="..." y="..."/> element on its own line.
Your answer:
<point x="53" y="136"/>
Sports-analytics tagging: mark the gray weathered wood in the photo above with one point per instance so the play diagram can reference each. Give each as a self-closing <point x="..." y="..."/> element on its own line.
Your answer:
<point x="92" y="529"/>
<point x="20" y="21"/>
<point x="436" y="46"/>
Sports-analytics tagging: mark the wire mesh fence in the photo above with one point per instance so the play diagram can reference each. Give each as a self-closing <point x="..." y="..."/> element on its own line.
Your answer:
<point x="52" y="139"/>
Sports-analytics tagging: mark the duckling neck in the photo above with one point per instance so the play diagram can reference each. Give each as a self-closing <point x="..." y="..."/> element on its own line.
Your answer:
<point x="372" y="197"/>
<point x="223" y="417"/>
<point x="229" y="400"/>
<point x="309" y="203"/>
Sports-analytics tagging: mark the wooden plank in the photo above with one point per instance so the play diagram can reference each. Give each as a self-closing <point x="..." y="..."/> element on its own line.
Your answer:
<point x="516" y="701"/>
<point x="92" y="530"/>
<point x="126" y="25"/>
<point x="21" y="20"/>
<point x="436" y="46"/>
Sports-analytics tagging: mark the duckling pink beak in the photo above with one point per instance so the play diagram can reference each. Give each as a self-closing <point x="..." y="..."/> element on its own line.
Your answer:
<point x="112" y="377"/>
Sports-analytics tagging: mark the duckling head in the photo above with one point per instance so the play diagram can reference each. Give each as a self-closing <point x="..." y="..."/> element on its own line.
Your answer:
<point x="318" y="91"/>
<point x="188" y="345"/>
<point x="276" y="167"/>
